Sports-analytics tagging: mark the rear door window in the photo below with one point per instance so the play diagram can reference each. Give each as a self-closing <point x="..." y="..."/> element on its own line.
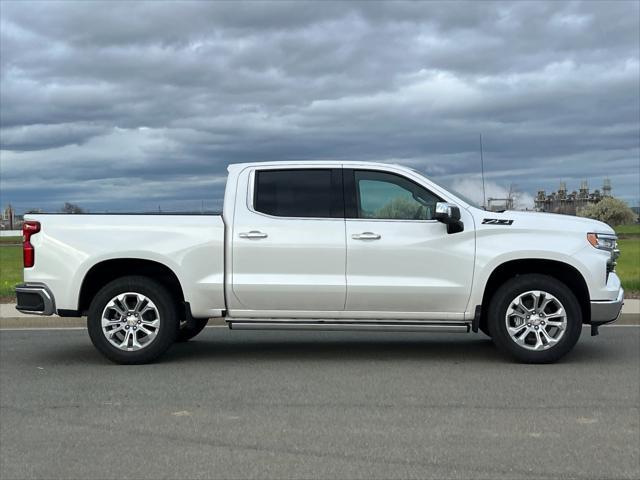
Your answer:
<point x="302" y="193"/>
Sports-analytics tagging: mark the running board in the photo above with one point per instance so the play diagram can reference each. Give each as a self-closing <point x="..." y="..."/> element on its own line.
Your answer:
<point x="350" y="326"/>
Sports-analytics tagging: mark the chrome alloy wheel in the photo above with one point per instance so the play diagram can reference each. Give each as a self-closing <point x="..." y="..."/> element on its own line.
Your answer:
<point x="536" y="320"/>
<point x="130" y="321"/>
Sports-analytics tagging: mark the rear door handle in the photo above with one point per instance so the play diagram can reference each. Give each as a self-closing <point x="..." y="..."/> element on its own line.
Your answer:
<point x="253" y="234"/>
<point x="366" y="236"/>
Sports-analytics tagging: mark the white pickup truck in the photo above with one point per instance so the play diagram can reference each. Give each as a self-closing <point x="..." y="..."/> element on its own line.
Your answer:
<point x="325" y="246"/>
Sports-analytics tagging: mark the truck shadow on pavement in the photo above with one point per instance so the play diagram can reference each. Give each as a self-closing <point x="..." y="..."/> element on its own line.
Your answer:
<point x="328" y="350"/>
<point x="322" y="347"/>
<point x="299" y="350"/>
<point x="303" y="347"/>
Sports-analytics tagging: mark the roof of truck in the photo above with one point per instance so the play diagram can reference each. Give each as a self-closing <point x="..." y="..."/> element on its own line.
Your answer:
<point x="241" y="166"/>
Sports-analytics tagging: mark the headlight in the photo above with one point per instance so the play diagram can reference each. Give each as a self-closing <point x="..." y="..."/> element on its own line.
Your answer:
<point x="609" y="243"/>
<point x="603" y="241"/>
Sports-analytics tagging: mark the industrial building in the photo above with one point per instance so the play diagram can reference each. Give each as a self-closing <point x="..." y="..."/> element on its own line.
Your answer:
<point x="569" y="203"/>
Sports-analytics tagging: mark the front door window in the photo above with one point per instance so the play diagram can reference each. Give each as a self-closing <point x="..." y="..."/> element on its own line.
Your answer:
<point x="387" y="196"/>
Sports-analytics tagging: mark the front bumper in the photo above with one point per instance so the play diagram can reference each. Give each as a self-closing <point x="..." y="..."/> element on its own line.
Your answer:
<point x="35" y="298"/>
<point x="606" y="312"/>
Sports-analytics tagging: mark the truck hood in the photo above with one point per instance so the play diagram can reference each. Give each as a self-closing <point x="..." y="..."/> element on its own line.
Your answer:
<point x="539" y="221"/>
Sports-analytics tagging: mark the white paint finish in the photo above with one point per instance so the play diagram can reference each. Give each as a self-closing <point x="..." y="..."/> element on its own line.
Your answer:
<point x="10" y="233"/>
<point x="299" y="265"/>
<point x="302" y="277"/>
<point x="415" y="266"/>
<point x="309" y="268"/>
<point x="542" y="236"/>
<point x="68" y="246"/>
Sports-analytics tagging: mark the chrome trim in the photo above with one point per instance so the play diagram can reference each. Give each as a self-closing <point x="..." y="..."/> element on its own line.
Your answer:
<point x="366" y="236"/>
<point x="608" y="236"/>
<point x="356" y="326"/>
<point x="252" y="234"/>
<point x="445" y="208"/>
<point x="607" y="311"/>
<point x="45" y="294"/>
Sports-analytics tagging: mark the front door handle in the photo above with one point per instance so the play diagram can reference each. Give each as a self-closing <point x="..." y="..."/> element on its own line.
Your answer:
<point x="253" y="234"/>
<point x="366" y="236"/>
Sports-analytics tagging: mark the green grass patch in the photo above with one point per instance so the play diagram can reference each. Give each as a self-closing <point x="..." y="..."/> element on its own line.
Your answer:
<point x="10" y="269"/>
<point x="629" y="262"/>
<point x="628" y="230"/>
<point x="628" y="267"/>
<point x="15" y="240"/>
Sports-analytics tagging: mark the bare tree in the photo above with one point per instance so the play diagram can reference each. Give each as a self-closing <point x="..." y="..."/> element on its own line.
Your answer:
<point x="71" y="208"/>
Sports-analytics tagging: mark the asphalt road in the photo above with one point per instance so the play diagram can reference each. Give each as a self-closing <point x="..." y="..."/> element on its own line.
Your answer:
<point x="319" y="405"/>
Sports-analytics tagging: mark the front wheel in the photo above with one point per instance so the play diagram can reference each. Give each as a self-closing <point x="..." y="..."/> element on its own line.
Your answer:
<point x="132" y="320"/>
<point x="535" y="318"/>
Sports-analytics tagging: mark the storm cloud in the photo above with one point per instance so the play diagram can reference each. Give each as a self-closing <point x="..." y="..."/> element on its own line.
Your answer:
<point x="134" y="105"/>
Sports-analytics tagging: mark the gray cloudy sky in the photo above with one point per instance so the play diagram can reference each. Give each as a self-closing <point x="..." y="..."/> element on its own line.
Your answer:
<point x="127" y="106"/>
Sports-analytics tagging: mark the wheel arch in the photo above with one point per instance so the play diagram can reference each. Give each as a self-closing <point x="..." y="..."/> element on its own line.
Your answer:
<point x="108" y="270"/>
<point x="562" y="271"/>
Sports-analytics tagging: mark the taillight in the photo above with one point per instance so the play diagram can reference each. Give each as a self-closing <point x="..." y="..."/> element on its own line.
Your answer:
<point x="29" y="228"/>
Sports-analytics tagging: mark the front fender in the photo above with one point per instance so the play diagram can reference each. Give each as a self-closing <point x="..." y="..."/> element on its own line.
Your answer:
<point x="497" y="248"/>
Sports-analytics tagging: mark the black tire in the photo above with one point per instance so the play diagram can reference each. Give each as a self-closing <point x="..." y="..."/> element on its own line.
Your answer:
<point x="165" y="305"/>
<point x="502" y="300"/>
<point x="485" y="329"/>
<point x="190" y="329"/>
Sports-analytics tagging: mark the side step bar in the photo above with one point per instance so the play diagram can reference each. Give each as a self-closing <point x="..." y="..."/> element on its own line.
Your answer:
<point x="461" y="327"/>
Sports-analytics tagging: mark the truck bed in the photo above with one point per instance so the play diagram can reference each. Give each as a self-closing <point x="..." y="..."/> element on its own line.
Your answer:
<point x="191" y="245"/>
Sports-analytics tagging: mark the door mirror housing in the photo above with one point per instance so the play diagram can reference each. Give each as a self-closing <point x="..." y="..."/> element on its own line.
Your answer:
<point x="449" y="214"/>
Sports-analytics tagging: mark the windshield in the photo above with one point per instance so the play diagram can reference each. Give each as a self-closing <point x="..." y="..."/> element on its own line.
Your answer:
<point x="446" y="187"/>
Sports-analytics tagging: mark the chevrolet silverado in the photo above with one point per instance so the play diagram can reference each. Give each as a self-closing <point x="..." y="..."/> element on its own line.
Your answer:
<point x="325" y="246"/>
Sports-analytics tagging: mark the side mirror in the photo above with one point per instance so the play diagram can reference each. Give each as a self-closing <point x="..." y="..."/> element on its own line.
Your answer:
<point x="449" y="214"/>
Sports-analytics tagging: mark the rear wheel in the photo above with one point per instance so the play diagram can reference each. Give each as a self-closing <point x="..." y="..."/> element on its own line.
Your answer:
<point x="535" y="318"/>
<point x="132" y="320"/>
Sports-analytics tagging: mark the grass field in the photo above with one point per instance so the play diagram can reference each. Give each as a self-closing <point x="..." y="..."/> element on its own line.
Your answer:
<point x="631" y="230"/>
<point x="11" y="240"/>
<point x="10" y="268"/>
<point x="628" y="264"/>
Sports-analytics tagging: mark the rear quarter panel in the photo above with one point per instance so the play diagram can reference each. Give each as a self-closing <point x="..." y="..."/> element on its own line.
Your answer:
<point x="192" y="246"/>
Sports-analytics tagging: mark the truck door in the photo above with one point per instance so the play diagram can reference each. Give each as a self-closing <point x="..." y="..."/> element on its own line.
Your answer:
<point x="288" y="242"/>
<point x="398" y="258"/>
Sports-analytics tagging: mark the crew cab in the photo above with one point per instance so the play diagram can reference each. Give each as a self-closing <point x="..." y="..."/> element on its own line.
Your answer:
<point x="325" y="246"/>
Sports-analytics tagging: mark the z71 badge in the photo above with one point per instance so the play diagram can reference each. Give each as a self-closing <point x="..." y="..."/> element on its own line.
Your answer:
<point x="496" y="221"/>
